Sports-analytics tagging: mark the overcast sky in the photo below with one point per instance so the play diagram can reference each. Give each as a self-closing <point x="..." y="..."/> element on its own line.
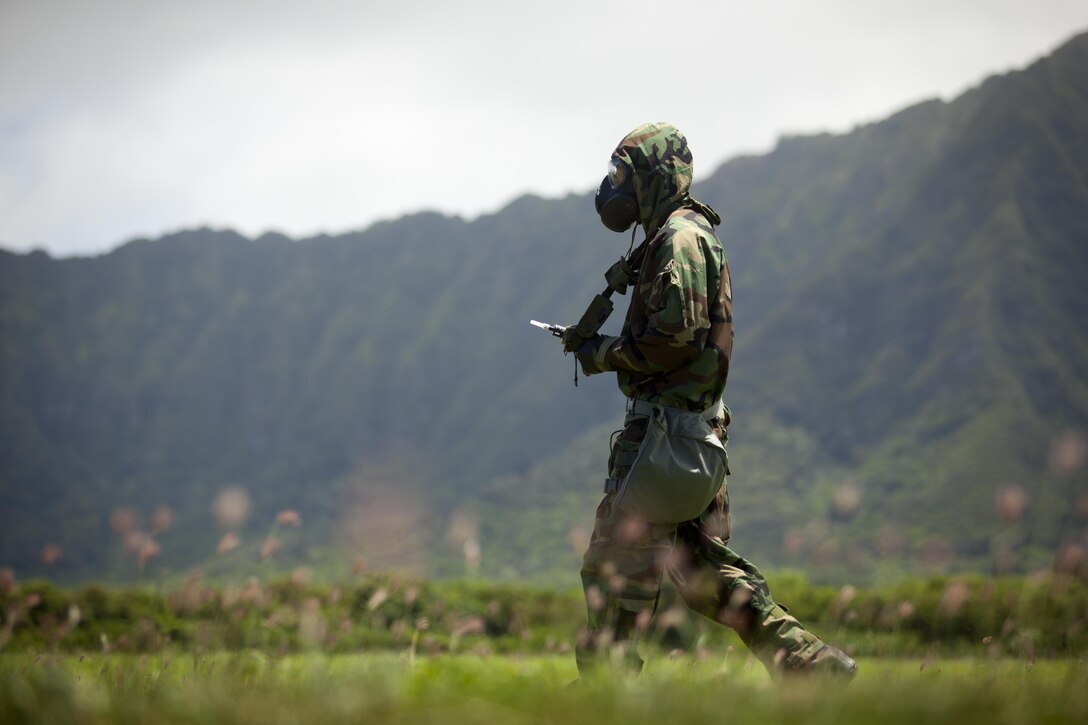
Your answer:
<point x="125" y="118"/>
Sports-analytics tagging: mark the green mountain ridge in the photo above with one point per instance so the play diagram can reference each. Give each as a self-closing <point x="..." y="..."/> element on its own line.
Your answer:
<point x="910" y="340"/>
<point x="917" y="335"/>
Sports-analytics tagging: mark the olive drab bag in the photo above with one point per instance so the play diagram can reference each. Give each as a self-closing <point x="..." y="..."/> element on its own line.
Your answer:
<point x="678" y="470"/>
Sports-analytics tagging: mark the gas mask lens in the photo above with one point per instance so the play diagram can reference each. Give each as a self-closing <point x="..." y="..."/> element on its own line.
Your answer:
<point x="617" y="173"/>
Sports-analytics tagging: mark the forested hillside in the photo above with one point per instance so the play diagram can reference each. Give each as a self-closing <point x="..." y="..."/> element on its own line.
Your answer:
<point x="170" y="369"/>
<point x="911" y="350"/>
<point x="910" y="386"/>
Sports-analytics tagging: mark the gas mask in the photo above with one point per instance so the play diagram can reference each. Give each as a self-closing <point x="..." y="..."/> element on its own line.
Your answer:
<point x="615" y="200"/>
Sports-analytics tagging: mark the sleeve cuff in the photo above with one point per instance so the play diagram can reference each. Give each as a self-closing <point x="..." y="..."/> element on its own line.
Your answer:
<point x="601" y="353"/>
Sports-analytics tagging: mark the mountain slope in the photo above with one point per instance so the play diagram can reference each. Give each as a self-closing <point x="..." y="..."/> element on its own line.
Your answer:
<point x="911" y="337"/>
<point x="911" y="340"/>
<point x="167" y="370"/>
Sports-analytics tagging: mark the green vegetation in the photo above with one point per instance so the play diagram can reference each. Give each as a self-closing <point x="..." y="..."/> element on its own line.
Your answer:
<point x="911" y="350"/>
<point x="1044" y="616"/>
<point x="253" y="687"/>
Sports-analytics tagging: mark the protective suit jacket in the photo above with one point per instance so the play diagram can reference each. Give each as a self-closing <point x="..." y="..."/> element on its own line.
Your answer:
<point x="677" y="338"/>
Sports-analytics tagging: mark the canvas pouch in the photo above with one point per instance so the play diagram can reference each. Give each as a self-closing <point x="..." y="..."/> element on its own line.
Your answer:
<point x="679" y="467"/>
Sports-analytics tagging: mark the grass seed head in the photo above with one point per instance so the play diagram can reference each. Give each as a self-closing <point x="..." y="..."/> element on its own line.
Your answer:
<point x="161" y="519"/>
<point x="123" y="520"/>
<point x="594" y="598"/>
<point x="471" y="551"/>
<point x="953" y="598"/>
<point x="7" y="580"/>
<point x="1068" y="453"/>
<point x="50" y="554"/>
<point x="289" y="517"/>
<point x="579" y="540"/>
<point x="847" y="501"/>
<point x="231" y="507"/>
<point x="148" y="551"/>
<point x="269" y="547"/>
<point x="229" y="540"/>
<point x="1010" y="504"/>
<point x="378" y="598"/>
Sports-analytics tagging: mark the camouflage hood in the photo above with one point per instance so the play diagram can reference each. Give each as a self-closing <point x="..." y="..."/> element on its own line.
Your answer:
<point x="660" y="158"/>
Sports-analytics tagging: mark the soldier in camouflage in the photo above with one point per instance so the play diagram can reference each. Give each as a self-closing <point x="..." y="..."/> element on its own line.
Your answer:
<point x="674" y="351"/>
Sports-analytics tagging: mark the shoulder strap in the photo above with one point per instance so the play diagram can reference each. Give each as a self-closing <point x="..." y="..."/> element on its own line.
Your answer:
<point x="619" y="277"/>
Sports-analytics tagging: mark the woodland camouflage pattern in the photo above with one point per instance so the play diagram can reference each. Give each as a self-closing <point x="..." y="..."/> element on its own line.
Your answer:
<point x="678" y="335"/>
<point x="674" y="349"/>
<point x="626" y="558"/>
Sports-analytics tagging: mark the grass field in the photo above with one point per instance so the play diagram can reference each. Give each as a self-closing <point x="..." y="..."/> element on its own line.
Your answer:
<point x="252" y="687"/>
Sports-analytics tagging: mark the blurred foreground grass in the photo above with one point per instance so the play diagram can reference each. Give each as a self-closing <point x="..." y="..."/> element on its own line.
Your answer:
<point x="1042" y="616"/>
<point x="251" y="687"/>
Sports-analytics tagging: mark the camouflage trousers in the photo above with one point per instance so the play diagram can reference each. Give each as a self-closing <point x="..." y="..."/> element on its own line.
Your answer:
<point x="625" y="561"/>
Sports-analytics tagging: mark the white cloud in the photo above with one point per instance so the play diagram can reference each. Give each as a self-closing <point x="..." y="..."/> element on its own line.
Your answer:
<point x="127" y="118"/>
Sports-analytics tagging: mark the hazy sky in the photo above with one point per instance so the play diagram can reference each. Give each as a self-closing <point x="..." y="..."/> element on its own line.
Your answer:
<point x="123" y="118"/>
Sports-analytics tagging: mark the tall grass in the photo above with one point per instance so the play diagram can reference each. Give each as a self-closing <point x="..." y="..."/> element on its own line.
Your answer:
<point x="1029" y="618"/>
<point x="252" y="687"/>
